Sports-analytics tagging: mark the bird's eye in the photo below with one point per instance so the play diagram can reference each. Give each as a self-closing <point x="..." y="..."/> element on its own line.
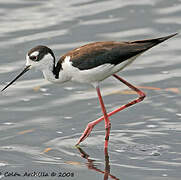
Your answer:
<point x="33" y="58"/>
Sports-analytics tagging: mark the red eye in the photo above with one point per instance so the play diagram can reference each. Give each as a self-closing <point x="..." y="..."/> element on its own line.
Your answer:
<point x="33" y="58"/>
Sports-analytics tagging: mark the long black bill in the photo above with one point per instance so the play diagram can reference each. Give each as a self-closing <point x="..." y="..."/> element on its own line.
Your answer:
<point x="17" y="77"/>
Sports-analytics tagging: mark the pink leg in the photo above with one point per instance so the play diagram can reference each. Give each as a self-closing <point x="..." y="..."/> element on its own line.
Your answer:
<point x="107" y="122"/>
<point x="91" y="125"/>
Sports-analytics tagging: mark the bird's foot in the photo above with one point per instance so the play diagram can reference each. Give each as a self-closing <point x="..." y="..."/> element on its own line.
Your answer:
<point x="86" y="133"/>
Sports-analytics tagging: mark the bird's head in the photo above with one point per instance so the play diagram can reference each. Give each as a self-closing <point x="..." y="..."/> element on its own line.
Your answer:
<point x="39" y="57"/>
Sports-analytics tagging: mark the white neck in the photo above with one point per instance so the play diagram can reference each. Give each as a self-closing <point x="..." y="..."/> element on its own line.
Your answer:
<point x="46" y="65"/>
<point x="48" y="74"/>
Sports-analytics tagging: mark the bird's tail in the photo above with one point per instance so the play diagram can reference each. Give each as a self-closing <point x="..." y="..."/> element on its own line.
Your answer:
<point x="155" y="40"/>
<point x="149" y="43"/>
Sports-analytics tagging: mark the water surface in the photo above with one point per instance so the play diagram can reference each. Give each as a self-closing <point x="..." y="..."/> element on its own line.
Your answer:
<point x="40" y="122"/>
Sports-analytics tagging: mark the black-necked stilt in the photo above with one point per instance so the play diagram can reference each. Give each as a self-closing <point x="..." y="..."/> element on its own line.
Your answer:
<point x="91" y="64"/>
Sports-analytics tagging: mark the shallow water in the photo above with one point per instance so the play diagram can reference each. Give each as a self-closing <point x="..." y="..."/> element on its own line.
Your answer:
<point x="40" y="122"/>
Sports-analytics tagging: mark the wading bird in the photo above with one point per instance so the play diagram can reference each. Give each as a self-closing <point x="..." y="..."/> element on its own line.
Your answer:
<point x="91" y="63"/>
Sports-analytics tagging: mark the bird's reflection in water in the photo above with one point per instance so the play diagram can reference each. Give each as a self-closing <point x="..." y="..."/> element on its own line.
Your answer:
<point x="90" y="164"/>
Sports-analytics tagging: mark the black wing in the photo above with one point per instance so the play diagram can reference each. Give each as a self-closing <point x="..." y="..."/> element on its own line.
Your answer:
<point x="98" y="53"/>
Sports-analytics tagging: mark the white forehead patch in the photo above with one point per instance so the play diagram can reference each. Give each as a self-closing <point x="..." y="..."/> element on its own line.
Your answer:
<point x="36" y="53"/>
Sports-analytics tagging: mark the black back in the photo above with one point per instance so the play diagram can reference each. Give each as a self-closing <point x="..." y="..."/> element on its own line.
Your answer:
<point x="98" y="53"/>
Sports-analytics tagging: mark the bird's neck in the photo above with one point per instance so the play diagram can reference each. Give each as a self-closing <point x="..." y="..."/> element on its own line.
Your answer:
<point x="48" y="74"/>
<point x="55" y="74"/>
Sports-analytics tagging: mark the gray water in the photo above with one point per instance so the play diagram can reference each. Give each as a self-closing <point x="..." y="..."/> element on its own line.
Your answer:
<point x="41" y="122"/>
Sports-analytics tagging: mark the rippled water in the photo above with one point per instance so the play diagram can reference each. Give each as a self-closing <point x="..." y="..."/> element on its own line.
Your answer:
<point x="41" y="122"/>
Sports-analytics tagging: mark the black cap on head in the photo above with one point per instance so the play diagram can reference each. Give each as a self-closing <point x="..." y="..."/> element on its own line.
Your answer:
<point x="43" y="50"/>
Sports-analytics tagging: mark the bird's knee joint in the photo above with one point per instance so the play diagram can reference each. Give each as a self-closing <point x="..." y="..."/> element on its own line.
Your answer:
<point x="108" y="127"/>
<point x="90" y="125"/>
<point x="142" y="96"/>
